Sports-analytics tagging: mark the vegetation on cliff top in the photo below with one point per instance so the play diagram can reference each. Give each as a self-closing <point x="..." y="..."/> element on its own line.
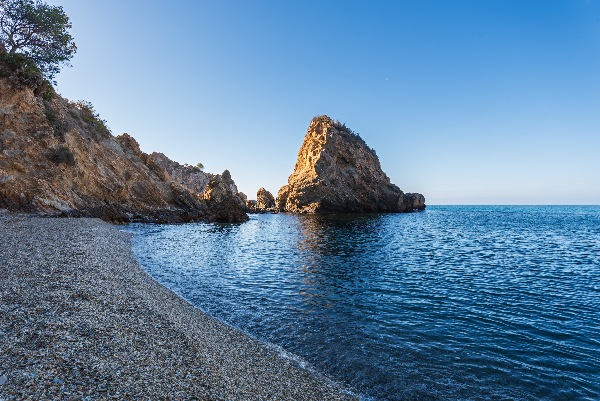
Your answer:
<point x="34" y="44"/>
<point x="326" y="121"/>
<point x="39" y="32"/>
<point x="90" y="116"/>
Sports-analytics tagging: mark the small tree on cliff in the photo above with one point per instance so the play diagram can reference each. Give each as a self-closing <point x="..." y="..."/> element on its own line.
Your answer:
<point x="38" y="31"/>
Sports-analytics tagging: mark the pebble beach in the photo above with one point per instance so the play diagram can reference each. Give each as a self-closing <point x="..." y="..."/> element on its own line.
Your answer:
<point x="80" y="320"/>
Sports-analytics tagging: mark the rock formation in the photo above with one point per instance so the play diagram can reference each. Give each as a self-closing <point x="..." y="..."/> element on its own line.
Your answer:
<point x="243" y="197"/>
<point x="336" y="172"/>
<point x="192" y="178"/>
<point x="265" y="201"/>
<point x="58" y="158"/>
<point x="224" y="203"/>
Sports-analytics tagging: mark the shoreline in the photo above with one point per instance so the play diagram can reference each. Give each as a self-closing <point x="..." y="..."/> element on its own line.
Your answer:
<point x="81" y="320"/>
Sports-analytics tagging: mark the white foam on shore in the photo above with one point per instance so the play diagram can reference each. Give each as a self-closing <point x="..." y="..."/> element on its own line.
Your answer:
<point x="304" y="364"/>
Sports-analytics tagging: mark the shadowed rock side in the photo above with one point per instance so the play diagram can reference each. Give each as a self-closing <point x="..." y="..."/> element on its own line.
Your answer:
<point x="222" y="199"/>
<point x="264" y="199"/>
<point x="337" y="172"/>
<point x="57" y="158"/>
<point x="264" y="203"/>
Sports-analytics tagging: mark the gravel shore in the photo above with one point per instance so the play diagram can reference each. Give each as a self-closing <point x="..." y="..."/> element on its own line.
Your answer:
<point x="80" y="320"/>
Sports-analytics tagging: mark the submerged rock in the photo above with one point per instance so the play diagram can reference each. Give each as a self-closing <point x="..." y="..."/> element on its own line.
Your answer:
<point x="336" y="172"/>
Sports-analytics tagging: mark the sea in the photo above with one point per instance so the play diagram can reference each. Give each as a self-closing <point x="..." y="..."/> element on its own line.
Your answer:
<point x="453" y="303"/>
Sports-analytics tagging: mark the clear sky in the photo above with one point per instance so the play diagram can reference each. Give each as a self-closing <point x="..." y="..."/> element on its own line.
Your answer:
<point x="467" y="102"/>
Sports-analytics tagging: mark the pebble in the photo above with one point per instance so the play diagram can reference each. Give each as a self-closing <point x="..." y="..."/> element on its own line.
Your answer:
<point x="96" y="326"/>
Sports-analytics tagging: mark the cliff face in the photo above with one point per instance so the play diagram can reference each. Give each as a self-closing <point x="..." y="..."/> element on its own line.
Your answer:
<point x="57" y="158"/>
<point x="336" y="172"/>
<point x="189" y="176"/>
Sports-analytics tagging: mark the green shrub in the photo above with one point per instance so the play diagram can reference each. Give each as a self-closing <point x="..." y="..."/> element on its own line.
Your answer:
<point x="326" y="120"/>
<point x="49" y="92"/>
<point x="197" y="168"/>
<point x="21" y="69"/>
<point x="23" y="72"/>
<point x="17" y="63"/>
<point x="91" y="117"/>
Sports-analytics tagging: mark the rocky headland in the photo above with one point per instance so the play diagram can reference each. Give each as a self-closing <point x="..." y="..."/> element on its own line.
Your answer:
<point x="58" y="158"/>
<point x="336" y="172"/>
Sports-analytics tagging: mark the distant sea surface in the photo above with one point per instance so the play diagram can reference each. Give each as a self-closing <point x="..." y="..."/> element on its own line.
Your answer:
<point x="454" y="303"/>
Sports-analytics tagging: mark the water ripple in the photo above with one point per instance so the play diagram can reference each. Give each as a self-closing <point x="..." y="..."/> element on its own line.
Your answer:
<point x="456" y="303"/>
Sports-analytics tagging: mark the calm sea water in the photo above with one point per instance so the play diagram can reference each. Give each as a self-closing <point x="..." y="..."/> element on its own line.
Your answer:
<point x="455" y="303"/>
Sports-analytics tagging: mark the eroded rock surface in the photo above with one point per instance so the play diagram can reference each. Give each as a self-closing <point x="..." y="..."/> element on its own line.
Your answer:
<point x="190" y="177"/>
<point x="222" y="199"/>
<point x="336" y="172"/>
<point x="58" y="159"/>
<point x="265" y="201"/>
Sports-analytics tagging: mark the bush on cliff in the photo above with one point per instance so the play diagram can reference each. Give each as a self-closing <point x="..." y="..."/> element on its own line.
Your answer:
<point x="325" y="120"/>
<point x="22" y="72"/>
<point x="17" y="63"/>
<point x="91" y="116"/>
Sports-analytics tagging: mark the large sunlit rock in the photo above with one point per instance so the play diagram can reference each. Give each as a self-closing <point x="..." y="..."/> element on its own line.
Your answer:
<point x="336" y="172"/>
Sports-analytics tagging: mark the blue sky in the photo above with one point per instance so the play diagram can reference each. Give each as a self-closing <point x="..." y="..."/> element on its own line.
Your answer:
<point x="467" y="102"/>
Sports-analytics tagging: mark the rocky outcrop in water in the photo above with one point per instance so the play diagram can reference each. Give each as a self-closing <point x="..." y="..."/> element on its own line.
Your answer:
<point x="265" y="201"/>
<point x="336" y="172"/>
<point x="224" y="204"/>
<point x="58" y="158"/>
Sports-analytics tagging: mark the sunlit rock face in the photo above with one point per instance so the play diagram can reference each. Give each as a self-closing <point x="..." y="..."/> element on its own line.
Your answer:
<point x="57" y="160"/>
<point x="265" y="201"/>
<point x="336" y="172"/>
<point x="191" y="177"/>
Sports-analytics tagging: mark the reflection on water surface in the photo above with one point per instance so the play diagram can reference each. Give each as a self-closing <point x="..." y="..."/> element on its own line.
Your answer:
<point x="454" y="303"/>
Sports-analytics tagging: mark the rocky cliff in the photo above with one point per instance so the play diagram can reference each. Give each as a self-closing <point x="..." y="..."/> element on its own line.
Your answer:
<point x="336" y="172"/>
<point x="57" y="157"/>
<point x="190" y="177"/>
